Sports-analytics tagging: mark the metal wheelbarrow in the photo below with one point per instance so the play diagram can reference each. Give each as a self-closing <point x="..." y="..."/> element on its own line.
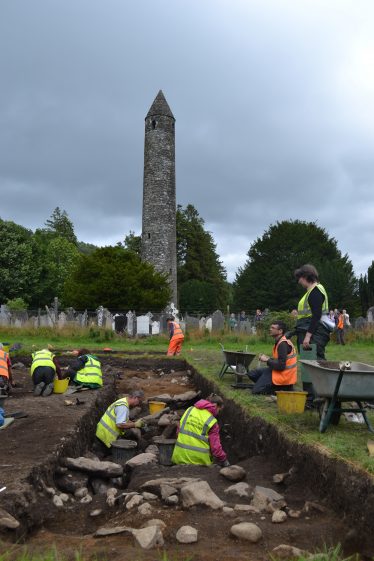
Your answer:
<point x="336" y="382"/>
<point x="237" y="362"/>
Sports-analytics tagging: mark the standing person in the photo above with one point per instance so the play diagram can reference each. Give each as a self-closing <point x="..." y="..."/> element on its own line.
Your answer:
<point x="312" y="324"/>
<point x="281" y="371"/>
<point x="198" y="439"/>
<point x="347" y="323"/>
<point x="232" y="322"/>
<point x="340" y="329"/>
<point x="176" y="337"/>
<point x="85" y="370"/>
<point x="116" y="419"/>
<point x="6" y="380"/>
<point x="44" y="368"/>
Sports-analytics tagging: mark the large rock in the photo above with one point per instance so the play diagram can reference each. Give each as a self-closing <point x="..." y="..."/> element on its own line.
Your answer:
<point x="149" y="537"/>
<point x="145" y="509"/>
<point x="154" y="485"/>
<point x="142" y="460"/>
<point x="186" y="534"/>
<point x="70" y="482"/>
<point x="134" y="501"/>
<point x="233" y="473"/>
<point x="200" y="493"/>
<point x="247" y="531"/>
<point x="7" y="520"/>
<point x="167" y="491"/>
<point x="239" y="490"/>
<point x="267" y="500"/>
<point x="186" y="396"/>
<point x="97" y="468"/>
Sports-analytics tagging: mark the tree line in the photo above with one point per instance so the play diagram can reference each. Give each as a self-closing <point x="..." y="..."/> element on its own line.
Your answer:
<point x="37" y="266"/>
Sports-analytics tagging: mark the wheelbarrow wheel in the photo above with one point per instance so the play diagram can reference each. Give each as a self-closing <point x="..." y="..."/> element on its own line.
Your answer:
<point x="334" y="419"/>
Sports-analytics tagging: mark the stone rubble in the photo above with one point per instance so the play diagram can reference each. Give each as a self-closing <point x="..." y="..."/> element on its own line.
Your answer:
<point x="233" y="473"/>
<point x="186" y="534"/>
<point x="246" y="531"/>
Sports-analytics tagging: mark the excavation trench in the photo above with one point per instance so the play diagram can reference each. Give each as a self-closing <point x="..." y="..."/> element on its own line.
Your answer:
<point x="334" y="500"/>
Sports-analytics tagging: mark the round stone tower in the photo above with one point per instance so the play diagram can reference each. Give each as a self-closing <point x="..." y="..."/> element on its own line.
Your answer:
<point x="159" y="246"/>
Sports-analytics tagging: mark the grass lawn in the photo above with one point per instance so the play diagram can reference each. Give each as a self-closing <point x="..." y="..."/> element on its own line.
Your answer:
<point x="347" y="440"/>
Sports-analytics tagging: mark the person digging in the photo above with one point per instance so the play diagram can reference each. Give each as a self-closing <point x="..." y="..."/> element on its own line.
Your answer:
<point x="116" y="423"/>
<point x="198" y="440"/>
<point x="85" y="370"/>
<point x="6" y="380"/>
<point x="44" y="368"/>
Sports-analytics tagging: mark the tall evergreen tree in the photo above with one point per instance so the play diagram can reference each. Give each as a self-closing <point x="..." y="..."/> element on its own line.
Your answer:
<point x="198" y="261"/>
<point x="266" y="280"/>
<point x="117" y="279"/>
<point x="60" y="225"/>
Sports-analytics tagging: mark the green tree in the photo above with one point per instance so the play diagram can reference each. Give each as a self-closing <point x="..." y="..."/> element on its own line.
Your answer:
<point x="19" y="263"/>
<point x="197" y="260"/>
<point x="366" y="289"/>
<point x="86" y="248"/>
<point x="267" y="281"/>
<point x="16" y="304"/>
<point x="132" y="242"/>
<point x="117" y="279"/>
<point x="60" y="225"/>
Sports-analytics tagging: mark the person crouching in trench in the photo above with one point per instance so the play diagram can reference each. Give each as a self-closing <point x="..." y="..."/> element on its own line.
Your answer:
<point x="198" y="439"/>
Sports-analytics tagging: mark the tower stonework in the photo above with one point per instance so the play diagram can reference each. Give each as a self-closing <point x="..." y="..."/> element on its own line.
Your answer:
<point x="159" y="244"/>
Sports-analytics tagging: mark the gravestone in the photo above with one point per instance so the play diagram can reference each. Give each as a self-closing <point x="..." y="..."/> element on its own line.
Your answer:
<point x="155" y="327"/>
<point x="61" y="319"/>
<point x="360" y="323"/>
<point x="202" y="323"/>
<point x="130" y="323"/>
<point x="119" y="323"/>
<point x="370" y="315"/>
<point x="191" y="323"/>
<point x="163" y="323"/>
<point x="100" y="316"/>
<point x="4" y="315"/>
<point x="142" y="325"/>
<point x="208" y="325"/>
<point x="245" y="326"/>
<point x="70" y="314"/>
<point x="218" y="321"/>
<point x="83" y="320"/>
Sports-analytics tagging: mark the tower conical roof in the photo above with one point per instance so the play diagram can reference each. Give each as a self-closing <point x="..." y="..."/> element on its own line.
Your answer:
<point x="160" y="107"/>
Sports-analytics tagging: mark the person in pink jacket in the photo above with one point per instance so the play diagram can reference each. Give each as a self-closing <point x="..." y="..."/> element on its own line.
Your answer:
<point x="199" y="422"/>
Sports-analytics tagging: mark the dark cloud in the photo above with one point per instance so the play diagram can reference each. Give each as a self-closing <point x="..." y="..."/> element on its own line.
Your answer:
<point x="273" y="108"/>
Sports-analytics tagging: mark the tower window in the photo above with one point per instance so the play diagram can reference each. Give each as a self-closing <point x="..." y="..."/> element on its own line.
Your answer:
<point x="153" y="124"/>
<point x="149" y="236"/>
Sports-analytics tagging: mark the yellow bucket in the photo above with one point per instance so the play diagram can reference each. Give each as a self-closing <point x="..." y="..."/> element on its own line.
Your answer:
<point x="60" y="386"/>
<point x="6" y="347"/>
<point x="156" y="406"/>
<point x="291" y="402"/>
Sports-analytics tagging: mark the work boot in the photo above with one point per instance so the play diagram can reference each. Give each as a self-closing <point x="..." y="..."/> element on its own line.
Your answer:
<point x="47" y="390"/>
<point x="39" y="388"/>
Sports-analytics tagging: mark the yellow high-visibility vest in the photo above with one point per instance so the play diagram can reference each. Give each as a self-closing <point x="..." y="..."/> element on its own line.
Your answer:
<point x="107" y="430"/>
<point x="192" y="446"/>
<point x="91" y="373"/>
<point x="303" y="308"/>
<point x="42" y="358"/>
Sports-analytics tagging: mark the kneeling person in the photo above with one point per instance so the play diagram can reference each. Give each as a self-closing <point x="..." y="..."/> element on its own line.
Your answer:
<point x="44" y="368"/>
<point x="281" y="371"/>
<point x="85" y="370"/>
<point x="198" y="437"/>
<point x="116" y="419"/>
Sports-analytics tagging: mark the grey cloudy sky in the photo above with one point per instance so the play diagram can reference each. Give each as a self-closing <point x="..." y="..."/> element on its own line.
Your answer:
<point x="274" y="107"/>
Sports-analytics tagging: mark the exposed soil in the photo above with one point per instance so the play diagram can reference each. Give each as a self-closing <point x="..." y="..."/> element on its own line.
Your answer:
<point x="31" y="449"/>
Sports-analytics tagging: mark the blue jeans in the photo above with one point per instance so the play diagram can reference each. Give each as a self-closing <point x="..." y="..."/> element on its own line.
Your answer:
<point x="264" y="383"/>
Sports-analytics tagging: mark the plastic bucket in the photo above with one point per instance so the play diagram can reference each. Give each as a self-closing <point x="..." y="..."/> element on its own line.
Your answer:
<point x="60" y="386"/>
<point x="123" y="450"/>
<point x="291" y="402"/>
<point x="6" y="347"/>
<point x="156" y="406"/>
<point x="165" y="448"/>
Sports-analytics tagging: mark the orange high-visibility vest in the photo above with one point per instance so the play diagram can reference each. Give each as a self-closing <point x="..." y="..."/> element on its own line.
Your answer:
<point x="340" y="322"/>
<point x="178" y="333"/>
<point x="289" y="374"/>
<point x="4" y="364"/>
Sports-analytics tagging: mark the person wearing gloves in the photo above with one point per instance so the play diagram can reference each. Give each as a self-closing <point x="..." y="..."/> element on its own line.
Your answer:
<point x="116" y="420"/>
<point x="198" y="440"/>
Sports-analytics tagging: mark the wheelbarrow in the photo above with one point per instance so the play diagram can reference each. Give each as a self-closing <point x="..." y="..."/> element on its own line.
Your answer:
<point x="237" y="362"/>
<point x="337" y="382"/>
